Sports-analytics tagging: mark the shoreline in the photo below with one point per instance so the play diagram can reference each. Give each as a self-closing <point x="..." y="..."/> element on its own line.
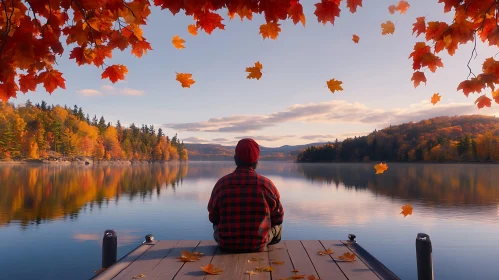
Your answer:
<point x="84" y="162"/>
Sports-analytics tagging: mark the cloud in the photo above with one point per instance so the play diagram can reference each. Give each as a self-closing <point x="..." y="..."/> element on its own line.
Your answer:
<point x="330" y="137"/>
<point x="221" y="140"/>
<point x="90" y="92"/>
<point x="195" y="140"/>
<point x="336" y="111"/>
<point x="108" y="89"/>
<point x="266" y="138"/>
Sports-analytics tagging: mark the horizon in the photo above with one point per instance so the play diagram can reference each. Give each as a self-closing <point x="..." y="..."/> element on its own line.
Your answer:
<point x="291" y="102"/>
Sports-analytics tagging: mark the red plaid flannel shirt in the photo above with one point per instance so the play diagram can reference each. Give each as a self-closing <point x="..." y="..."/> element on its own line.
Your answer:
<point x="244" y="205"/>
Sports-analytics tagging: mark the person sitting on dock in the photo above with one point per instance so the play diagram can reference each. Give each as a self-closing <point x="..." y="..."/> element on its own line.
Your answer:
<point x="245" y="207"/>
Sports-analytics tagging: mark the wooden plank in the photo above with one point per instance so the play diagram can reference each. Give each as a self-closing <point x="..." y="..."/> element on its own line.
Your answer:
<point x="146" y="263"/>
<point x="170" y="264"/>
<point x="116" y="268"/>
<point x="374" y="264"/>
<point x="353" y="270"/>
<point x="324" y="265"/>
<point x="263" y="262"/>
<point x="299" y="257"/>
<point x="279" y="252"/>
<point x="192" y="270"/>
<point x="232" y="265"/>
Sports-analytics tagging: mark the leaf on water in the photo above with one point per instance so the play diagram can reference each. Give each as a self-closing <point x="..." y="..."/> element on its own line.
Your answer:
<point x="347" y="257"/>
<point x="327" y="252"/>
<point x="406" y="210"/>
<point x="334" y="85"/>
<point x="380" y="168"/>
<point x="210" y="269"/>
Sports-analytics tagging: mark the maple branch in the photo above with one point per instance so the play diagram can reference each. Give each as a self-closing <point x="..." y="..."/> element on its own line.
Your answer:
<point x="8" y="23"/>
<point x="471" y="57"/>
<point x="34" y="15"/>
<point x="126" y="6"/>
<point x="485" y="15"/>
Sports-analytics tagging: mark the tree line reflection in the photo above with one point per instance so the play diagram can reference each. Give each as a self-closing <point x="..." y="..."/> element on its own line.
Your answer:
<point x="34" y="194"/>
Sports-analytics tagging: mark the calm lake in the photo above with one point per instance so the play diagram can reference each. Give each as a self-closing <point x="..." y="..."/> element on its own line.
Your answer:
<point x="52" y="217"/>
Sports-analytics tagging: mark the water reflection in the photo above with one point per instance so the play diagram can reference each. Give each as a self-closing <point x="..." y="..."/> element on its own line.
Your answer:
<point x="34" y="194"/>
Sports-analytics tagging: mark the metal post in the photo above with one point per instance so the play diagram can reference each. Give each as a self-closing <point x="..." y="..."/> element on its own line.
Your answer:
<point x="109" y="248"/>
<point x="424" y="257"/>
<point x="149" y="238"/>
<point x="352" y="237"/>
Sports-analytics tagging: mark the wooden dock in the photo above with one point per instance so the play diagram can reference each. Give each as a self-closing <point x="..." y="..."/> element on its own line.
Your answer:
<point x="159" y="260"/>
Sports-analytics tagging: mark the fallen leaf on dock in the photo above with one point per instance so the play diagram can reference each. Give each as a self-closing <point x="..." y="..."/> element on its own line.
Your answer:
<point x="210" y="269"/>
<point x="406" y="210"/>
<point x="312" y="277"/>
<point x="251" y="272"/>
<point x="277" y="262"/>
<point x="298" y="276"/>
<point x="327" y="252"/>
<point x="347" y="257"/>
<point x="198" y="254"/>
<point x="139" y="276"/>
<point x="295" y="270"/>
<point x="268" y="269"/>
<point x="380" y="168"/>
<point x="187" y="256"/>
<point x="99" y="271"/>
<point x="255" y="259"/>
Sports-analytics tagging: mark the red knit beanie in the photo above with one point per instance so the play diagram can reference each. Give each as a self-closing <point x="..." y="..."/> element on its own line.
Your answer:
<point x="247" y="150"/>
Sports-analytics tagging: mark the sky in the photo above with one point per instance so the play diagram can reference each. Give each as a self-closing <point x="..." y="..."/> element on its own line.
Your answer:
<point x="290" y="104"/>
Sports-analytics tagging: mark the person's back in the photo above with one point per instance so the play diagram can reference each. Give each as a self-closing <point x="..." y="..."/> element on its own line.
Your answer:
<point x="245" y="207"/>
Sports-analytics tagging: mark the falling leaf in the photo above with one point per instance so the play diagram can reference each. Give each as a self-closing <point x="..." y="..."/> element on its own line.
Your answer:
<point x="255" y="72"/>
<point x="178" y="42"/>
<point x="115" y="73"/>
<point x="419" y="27"/>
<point x="347" y="257"/>
<point x="251" y="272"/>
<point x="327" y="10"/>
<point x="185" y="79"/>
<point x="406" y="210"/>
<point x="435" y="98"/>
<point x="483" y="101"/>
<point x="139" y="276"/>
<point x="334" y="85"/>
<point x="278" y="262"/>
<point x="387" y="28"/>
<point x="327" y="252"/>
<point x="210" y="269"/>
<point x="270" y="30"/>
<point x="403" y="6"/>
<point x="353" y="4"/>
<point x="380" y="168"/>
<point x="355" y="39"/>
<point x="192" y="29"/>
<point x="418" y="77"/>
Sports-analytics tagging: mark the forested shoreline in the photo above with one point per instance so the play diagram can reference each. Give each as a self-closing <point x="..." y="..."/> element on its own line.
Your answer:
<point x="473" y="138"/>
<point x="42" y="132"/>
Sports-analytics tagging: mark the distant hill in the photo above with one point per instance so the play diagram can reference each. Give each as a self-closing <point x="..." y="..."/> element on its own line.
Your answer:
<point x="441" y="139"/>
<point x="199" y="152"/>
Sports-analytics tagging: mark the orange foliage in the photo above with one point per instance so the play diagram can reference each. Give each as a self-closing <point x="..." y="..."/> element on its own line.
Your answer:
<point x="34" y="33"/>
